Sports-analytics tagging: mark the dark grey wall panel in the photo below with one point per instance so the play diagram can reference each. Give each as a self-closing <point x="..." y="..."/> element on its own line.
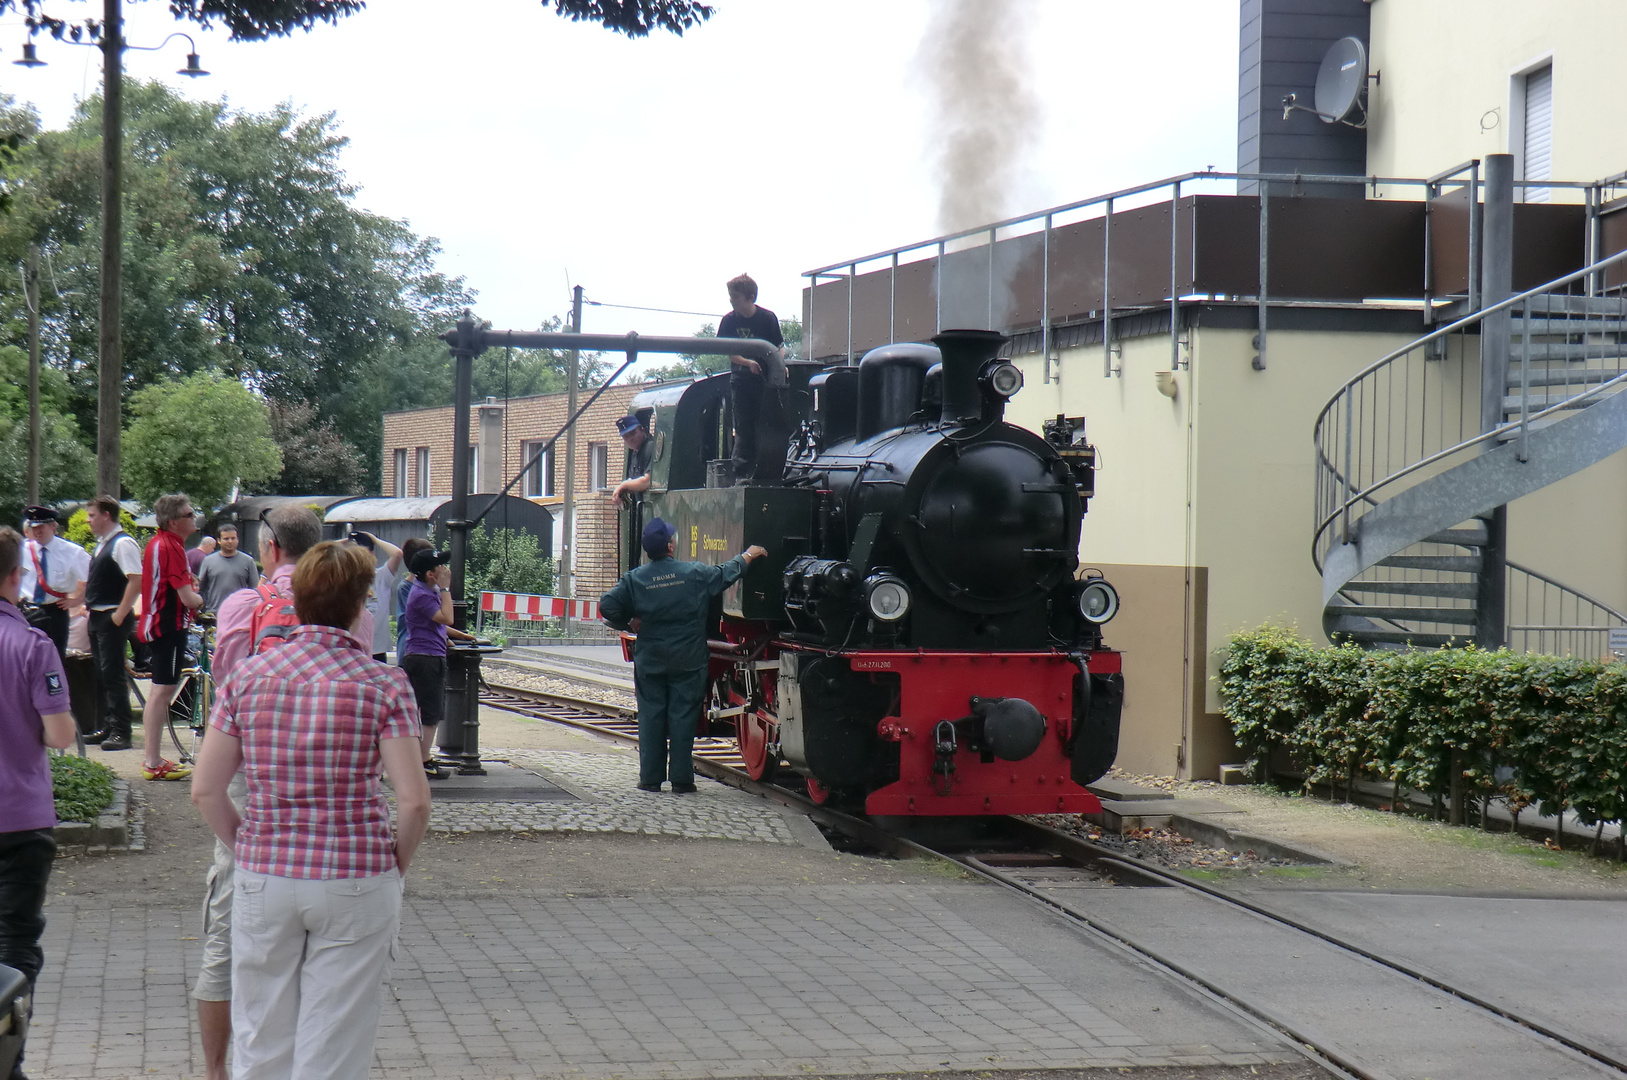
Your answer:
<point x="1280" y="48"/>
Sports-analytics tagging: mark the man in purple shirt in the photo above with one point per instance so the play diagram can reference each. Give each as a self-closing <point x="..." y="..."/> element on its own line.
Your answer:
<point x="427" y="618"/>
<point x="33" y="715"/>
<point x="195" y="556"/>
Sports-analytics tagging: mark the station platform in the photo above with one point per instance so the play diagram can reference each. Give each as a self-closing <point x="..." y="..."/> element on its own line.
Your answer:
<point x="610" y="932"/>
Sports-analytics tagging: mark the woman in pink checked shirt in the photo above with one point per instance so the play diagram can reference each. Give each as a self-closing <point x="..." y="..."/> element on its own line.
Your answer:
<point x="319" y="872"/>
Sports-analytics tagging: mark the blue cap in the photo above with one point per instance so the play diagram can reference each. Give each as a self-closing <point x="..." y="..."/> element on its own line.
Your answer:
<point x="657" y="535"/>
<point x="626" y="425"/>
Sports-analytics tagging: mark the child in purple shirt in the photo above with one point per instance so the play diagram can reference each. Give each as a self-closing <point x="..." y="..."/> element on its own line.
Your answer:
<point x="426" y="619"/>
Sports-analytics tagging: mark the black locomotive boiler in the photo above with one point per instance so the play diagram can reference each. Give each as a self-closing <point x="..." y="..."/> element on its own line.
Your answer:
<point x="919" y="640"/>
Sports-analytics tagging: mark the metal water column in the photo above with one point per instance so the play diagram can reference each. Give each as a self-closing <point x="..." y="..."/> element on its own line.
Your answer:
<point x="1496" y="285"/>
<point x="460" y="732"/>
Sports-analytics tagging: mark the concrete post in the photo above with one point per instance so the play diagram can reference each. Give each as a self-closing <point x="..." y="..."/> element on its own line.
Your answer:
<point x="489" y="448"/>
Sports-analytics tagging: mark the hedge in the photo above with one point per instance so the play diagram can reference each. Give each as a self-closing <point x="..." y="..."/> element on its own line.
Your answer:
<point x="1441" y="722"/>
<point x="81" y="788"/>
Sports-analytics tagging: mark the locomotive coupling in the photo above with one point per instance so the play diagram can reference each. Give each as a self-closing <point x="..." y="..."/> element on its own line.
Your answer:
<point x="1009" y="728"/>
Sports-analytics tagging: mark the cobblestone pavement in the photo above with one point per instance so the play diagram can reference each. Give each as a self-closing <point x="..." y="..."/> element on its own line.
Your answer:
<point x="747" y="982"/>
<point x="735" y="973"/>
<point x="608" y="800"/>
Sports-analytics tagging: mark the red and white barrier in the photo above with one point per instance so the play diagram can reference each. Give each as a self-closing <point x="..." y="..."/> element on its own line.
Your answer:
<point x="530" y="606"/>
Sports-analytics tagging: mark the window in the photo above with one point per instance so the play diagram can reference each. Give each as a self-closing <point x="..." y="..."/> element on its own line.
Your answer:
<point x="1536" y="136"/>
<point x="539" y="478"/>
<point x="474" y="467"/>
<point x="423" y="472"/>
<point x="401" y="473"/>
<point x="598" y="466"/>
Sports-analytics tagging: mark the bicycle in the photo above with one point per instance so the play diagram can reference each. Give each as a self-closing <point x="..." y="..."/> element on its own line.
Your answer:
<point x="189" y="711"/>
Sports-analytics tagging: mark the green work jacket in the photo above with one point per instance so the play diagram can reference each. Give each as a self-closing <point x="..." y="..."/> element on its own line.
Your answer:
<point x="671" y="600"/>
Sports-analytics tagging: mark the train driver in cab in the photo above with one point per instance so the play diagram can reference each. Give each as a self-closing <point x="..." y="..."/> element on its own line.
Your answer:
<point x="637" y="440"/>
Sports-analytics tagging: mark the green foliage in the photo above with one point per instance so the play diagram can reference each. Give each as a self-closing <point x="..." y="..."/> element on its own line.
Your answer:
<point x="82" y="788"/>
<point x="198" y="435"/>
<point x="67" y="469"/>
<point x="316" y="460"/>
<point x="1413" y="717"/>
<point x="79" y="531"/>
<point x="504" y="560"/>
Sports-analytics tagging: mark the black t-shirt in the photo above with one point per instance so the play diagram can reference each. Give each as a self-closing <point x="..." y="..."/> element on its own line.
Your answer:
<point x="640" y="460"/>
<point x="762" y="326"/>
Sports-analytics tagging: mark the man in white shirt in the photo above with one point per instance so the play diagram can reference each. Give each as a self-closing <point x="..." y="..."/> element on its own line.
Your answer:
<point x="54" y="573"/>
<point x="114" y="582"/>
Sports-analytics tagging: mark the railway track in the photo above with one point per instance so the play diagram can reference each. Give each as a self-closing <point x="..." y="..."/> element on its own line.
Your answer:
<point x="1085" y="882"/>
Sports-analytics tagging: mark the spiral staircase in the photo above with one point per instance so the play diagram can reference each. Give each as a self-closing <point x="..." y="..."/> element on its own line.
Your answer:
<point x="1413" y="472"/>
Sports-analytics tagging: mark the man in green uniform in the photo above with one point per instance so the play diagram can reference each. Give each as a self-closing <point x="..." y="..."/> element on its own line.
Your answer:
<point x="666" y="602"/>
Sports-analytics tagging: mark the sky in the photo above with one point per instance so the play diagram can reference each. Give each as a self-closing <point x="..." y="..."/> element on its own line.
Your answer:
<point x="780" y="136"/>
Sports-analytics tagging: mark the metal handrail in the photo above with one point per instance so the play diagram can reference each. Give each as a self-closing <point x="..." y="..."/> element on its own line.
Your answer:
<point x="1365" y="495"/>
<point x="1578" y="593"/>
<point x="1467" y="320"/>
<point x="1184" y="178"/>
<point x="1330" y="470"/>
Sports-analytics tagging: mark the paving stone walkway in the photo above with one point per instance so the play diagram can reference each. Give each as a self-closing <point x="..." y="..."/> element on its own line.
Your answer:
<point x="608" y="800"/>
<point x="747" y="982"/>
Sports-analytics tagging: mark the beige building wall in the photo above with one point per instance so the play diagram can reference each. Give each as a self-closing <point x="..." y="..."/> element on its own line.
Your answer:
<point x="1451" y="89"/>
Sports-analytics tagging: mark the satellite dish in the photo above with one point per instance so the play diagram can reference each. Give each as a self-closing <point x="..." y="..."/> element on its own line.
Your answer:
<point x="1341" y="82"/>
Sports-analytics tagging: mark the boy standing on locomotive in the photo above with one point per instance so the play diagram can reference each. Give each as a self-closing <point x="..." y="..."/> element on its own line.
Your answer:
<point x="747" y="378"/>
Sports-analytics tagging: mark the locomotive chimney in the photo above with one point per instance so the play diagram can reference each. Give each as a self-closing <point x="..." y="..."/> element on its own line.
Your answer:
<point x="964" y="354"/>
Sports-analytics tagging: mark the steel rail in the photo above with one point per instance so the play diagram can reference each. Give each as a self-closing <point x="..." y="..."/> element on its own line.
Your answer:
<point x="887" y="843"/>
<point x="1073" y="847"/>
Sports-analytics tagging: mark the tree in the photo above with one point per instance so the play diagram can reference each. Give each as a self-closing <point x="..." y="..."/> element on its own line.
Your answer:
<point x="253" y="20"/>
<point x="505" y="560"/>
<point x="67" y="469"/>
<point x="315" y="459"/>
<point x="199" y="435"/>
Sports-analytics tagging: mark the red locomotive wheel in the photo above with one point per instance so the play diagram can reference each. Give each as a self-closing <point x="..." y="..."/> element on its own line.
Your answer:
<point x="751" y="736"/>
<point x="818" y="792"/>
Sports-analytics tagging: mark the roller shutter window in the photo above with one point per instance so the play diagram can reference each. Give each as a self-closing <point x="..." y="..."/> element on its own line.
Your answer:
<point x="1539" y="131"/>
<point x="401" y="474"/>
<point x="423" y="472"/>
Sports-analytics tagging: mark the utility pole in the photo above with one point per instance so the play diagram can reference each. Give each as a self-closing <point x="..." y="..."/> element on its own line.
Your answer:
<point x="31" y="293"/>
<point x="110" y="360"/>
<point x="567" y="535"/>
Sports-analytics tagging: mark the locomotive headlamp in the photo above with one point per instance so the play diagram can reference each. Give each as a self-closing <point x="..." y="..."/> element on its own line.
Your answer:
<point x="887" y="597"/>
<point x="1098" y="601"/>
<point x="1002" y="379"/>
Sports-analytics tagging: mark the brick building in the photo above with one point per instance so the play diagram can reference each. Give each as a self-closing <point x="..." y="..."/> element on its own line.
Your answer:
<point x="418" y="462"/>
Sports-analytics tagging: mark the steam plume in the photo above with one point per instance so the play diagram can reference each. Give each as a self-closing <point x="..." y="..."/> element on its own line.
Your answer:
<point x="984" y="114"/>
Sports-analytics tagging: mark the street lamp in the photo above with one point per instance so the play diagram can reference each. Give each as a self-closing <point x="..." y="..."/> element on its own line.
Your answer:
<point x="110" y="352"/>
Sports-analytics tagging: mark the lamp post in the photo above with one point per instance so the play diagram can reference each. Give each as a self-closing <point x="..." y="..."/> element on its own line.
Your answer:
<point x="110" y="351"/>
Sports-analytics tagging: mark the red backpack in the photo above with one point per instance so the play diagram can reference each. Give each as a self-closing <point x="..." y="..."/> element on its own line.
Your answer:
<point x="272" y="621"/>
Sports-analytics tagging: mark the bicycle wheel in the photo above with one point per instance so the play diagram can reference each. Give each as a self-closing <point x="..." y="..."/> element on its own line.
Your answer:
<point x="181" y="732"/>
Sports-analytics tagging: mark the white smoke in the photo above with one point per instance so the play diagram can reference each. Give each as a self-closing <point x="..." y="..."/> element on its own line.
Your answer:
<point x="984" y="114"/>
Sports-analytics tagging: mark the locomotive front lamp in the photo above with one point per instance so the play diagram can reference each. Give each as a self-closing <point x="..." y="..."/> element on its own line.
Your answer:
<point x="887" y="597"/>
<point x="1098" y="601"/>
<point x="1003" y="379"/>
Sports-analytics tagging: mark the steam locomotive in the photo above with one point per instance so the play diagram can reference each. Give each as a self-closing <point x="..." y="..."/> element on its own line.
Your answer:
<point x="918" y="641"/>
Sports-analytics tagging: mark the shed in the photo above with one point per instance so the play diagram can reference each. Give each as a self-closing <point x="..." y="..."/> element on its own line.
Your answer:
<point x="397" y="519"/>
